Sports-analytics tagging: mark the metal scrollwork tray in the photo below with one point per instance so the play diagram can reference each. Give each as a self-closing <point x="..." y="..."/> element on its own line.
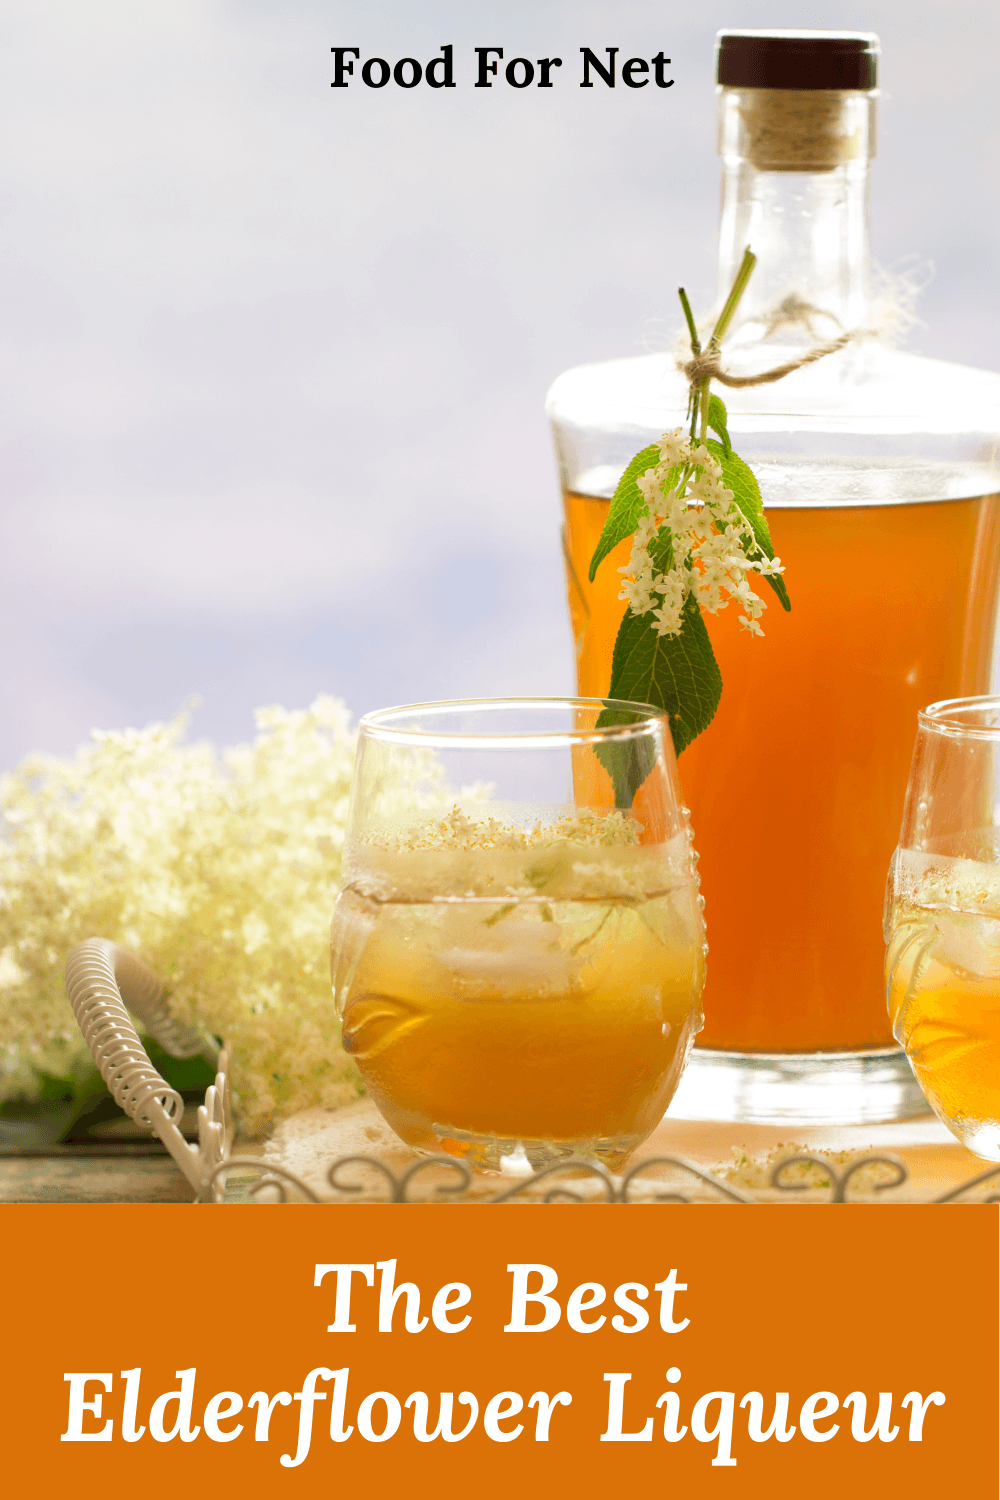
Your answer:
<point x="105" y="982"/>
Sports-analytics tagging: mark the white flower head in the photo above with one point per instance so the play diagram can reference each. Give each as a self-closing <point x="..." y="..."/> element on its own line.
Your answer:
<point x="712" y="543"/>
<point x="675" y="448"/>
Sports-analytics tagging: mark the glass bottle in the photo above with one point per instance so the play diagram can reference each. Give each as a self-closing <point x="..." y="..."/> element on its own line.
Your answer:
<point x="878" y="472"/>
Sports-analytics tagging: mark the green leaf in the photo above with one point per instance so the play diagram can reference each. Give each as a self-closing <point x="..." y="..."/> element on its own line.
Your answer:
<point x="678" y="674"/>
<point x="739" y="477"/>
<point x="623" y="517"/>
<point x="717" y="419"/>
<point x="661" y="550"/>
<point x="627" y="762"/>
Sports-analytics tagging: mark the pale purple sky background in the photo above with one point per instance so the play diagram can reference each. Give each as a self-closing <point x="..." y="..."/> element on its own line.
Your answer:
<point x="274" y="357"/>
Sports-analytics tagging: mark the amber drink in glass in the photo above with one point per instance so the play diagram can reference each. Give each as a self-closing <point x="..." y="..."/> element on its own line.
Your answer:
<point x="942" y="919"/>
<point x="518" y="971"/>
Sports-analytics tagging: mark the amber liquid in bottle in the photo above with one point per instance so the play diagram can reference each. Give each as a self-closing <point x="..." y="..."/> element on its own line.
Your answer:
<point x="796" y="789"/>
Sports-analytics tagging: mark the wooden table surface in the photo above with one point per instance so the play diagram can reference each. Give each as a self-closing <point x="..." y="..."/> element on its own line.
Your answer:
<point x="88" y="1174"/>
<point x="81" y="1177"/>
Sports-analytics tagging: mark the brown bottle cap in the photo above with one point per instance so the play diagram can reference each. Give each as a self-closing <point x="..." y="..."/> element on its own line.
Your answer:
<point x="797" y="59"/>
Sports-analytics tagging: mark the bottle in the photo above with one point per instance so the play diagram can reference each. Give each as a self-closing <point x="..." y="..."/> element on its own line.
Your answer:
<point x="877" y="471"/>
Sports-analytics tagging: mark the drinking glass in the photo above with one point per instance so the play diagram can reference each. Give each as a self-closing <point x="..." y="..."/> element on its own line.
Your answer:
<point x="518" y="949"/>
<point x="942" y="919"/>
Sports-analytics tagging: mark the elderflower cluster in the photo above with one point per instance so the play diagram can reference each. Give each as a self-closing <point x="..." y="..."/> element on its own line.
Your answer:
<point x="584" y="825"/>
<point x="697" y="528"/>
<point x="221" y="876"/>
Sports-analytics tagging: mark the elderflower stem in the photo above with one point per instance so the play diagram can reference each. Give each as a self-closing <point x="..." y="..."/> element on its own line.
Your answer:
<point x="695" y="350"/>
<point x="704" y="408"/>
<point x="700" y="392"/>
<point x="733" y="300"/>
<point x="689" y="315"/>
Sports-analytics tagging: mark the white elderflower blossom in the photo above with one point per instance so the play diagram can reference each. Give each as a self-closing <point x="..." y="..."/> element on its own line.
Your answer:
<point x="674" y="448"/>
<point x="712" y="544"/>
<point x="458" y="831"/>
<point x="221" y="876"/>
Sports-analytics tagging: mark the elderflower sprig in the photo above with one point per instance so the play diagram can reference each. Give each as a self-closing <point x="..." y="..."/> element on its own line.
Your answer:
<point x="712" y="546"/>
<point x="699" y="534"/>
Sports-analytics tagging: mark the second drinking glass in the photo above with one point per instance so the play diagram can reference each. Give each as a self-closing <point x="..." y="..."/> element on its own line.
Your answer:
<point x="942" y="919"/>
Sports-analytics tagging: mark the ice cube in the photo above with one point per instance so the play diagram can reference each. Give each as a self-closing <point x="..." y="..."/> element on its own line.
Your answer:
<point x="513" y="970"/>
<point x="968" y="943"/>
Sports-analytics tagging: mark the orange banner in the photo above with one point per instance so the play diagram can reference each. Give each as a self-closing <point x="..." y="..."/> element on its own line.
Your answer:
<point x="445" y="1349"/>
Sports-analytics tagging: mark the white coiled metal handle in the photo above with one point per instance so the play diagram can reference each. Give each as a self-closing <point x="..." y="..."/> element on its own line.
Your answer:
<point x="104" y="982"/>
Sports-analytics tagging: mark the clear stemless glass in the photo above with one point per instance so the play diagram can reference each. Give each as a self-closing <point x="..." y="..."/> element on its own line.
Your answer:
<point x="942" y="919"/>
<point x="518" y="949"/>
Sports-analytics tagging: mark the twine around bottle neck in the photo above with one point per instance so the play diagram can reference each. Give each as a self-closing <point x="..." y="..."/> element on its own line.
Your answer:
<point x="707" y="365"/>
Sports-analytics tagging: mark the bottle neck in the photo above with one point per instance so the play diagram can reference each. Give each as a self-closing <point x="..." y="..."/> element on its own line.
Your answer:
<point x="795" y="189"/>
